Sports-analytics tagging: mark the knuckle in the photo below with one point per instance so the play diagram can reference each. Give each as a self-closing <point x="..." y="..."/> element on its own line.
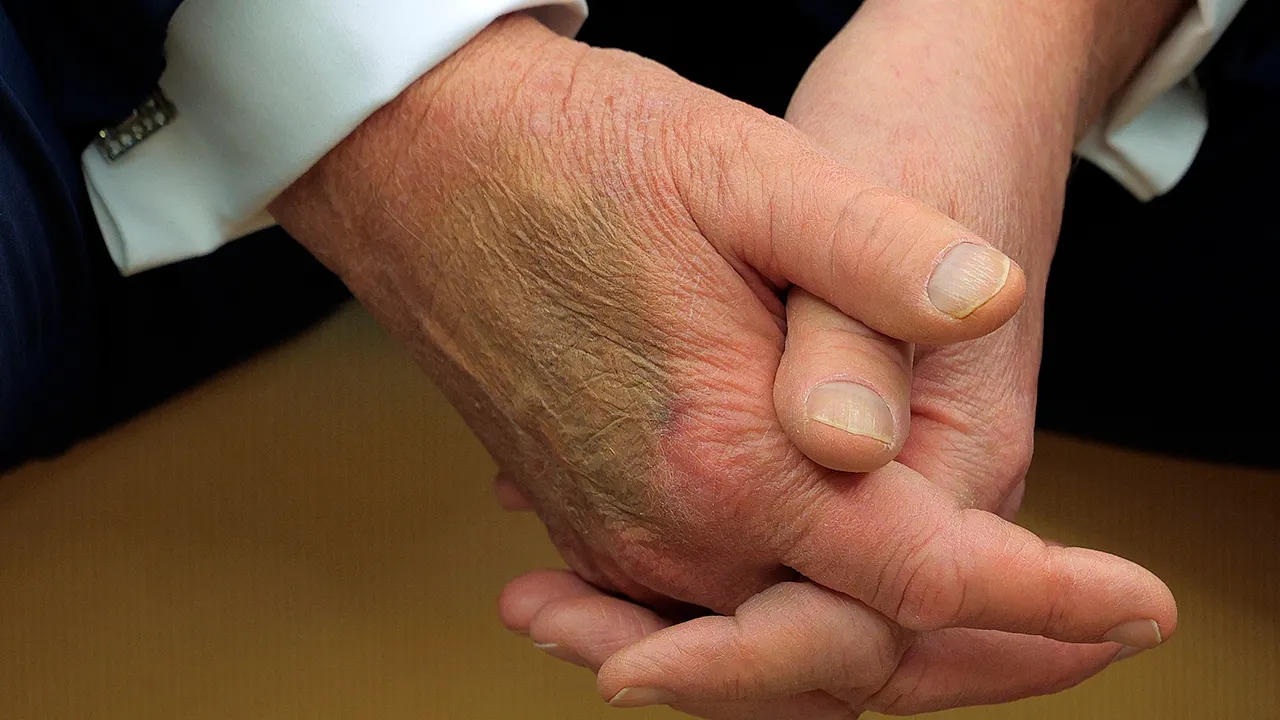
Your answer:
<point x="990" y="435"/>
<point x="862" y="647"/>
<point x="750" y="671"/>
<point x="1004" y="454"/>
<point x="1011" y="446"/>
<point x="645" y="556"/>
<point x="870" y="665"/>
<point x="802" y="531"/>
<point x="1058" y="611"/>
<point x="923" y="587"/>
<point x="896" y="696"/>
<point x="874" y="232"/>
<point x="881" y="217"/>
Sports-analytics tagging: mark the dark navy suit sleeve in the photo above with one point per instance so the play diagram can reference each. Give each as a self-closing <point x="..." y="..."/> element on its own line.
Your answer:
<point x="80" y="346"/>
<point x="94" y="59"/>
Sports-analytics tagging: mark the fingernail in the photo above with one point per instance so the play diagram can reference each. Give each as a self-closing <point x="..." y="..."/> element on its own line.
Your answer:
<point x="559" y="653"/>
<point x="1141" y="634"/>
<point x="851" y="407"/>
<point x="640" y="697"/>
<point x="1126" y="653"/>
<point x="968" y="276"/>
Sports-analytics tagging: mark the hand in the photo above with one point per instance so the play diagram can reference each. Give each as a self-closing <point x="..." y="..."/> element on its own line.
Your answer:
<point x="795" y="651"/>
<point x="584" y="250"/>
<point x="972" y="409"/>
<point x="974" y="109"/>
<point x="994" y="157"/>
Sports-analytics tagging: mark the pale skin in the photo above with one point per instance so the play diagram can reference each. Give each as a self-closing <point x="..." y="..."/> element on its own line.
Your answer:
<point x="886" y="97"/>
<point x="589" y="268"/>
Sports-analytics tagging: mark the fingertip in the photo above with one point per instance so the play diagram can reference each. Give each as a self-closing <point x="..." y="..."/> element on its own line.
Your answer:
<point x="1152" y="616"/>
<point x="1069" y="594"/>
<point x="842" y="390"/>
<point x="973" y="290"/>
<point x="1149" y="633"/>
<point x="848" y="427"/>
<point x="1004" y="304"/>
<point x="518" y="604"/>
<point x="1166" y="618"/>
<point x="524" y="597"/>
<point x="592" y="628"/>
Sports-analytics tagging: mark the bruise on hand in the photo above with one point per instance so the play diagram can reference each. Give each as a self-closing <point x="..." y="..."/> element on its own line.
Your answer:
<point x="532" y="305"/>
<point x="550" y="279"/>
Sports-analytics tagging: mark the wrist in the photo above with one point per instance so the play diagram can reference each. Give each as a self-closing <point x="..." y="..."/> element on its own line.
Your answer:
<point x="1071" y="57"/>
<point x="342" y="204"/>
<point x="977" y="107"/>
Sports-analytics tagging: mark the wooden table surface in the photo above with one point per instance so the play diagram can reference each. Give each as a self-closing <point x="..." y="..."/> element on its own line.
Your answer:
<point x="312" y="536"/>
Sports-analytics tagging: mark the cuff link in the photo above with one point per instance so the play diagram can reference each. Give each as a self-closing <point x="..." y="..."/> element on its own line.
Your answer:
<point x="150" y="117"/>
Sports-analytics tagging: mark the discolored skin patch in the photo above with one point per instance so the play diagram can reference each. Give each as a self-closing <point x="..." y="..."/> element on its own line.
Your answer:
<point x="580" y="322"/>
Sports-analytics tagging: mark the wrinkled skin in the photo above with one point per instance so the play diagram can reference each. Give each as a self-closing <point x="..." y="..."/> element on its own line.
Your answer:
<point x="589" y="267"/>
<point x="971" y="407"/>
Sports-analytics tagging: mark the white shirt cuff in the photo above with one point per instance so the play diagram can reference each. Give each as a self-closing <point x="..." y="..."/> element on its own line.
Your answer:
<point x="262" y="90"/>
<point x="1151" y="136"/>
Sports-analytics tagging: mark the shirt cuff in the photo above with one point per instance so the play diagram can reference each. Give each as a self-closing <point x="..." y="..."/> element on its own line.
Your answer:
<point x="1149" y="139"/>
<point x="261" y="90"/>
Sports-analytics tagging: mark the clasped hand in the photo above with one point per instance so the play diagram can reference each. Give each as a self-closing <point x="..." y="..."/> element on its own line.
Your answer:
<point x="685" y="331"/>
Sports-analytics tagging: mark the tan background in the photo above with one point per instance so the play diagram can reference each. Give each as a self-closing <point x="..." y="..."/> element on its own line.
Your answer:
<point x="313" y="536"/>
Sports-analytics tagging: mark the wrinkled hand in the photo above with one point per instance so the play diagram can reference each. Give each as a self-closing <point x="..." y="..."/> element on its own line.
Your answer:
<point x="798" y="650"/>
<point x="585" y="249"/>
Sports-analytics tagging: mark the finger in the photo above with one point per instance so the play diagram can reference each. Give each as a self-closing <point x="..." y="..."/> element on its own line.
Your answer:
<point x="508" y="493"/>
<point x="908" y="549"/>
<point x="955" y="668"/>
<point x="790" y="639"/>
<point x="588" y="629"/>
<point x="800" y="636"/>
<point x="578" y="623"/>
<point x="843" y="391"/>
<point x="797" y="216"/>
<point x="523" y="598"/>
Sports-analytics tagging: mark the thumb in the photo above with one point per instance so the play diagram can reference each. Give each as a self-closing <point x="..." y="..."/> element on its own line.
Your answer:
<point x="796" y="215"/>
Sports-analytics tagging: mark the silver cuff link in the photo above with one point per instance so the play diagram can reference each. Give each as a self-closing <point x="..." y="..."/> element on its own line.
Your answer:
<point x="147" y="120"/>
